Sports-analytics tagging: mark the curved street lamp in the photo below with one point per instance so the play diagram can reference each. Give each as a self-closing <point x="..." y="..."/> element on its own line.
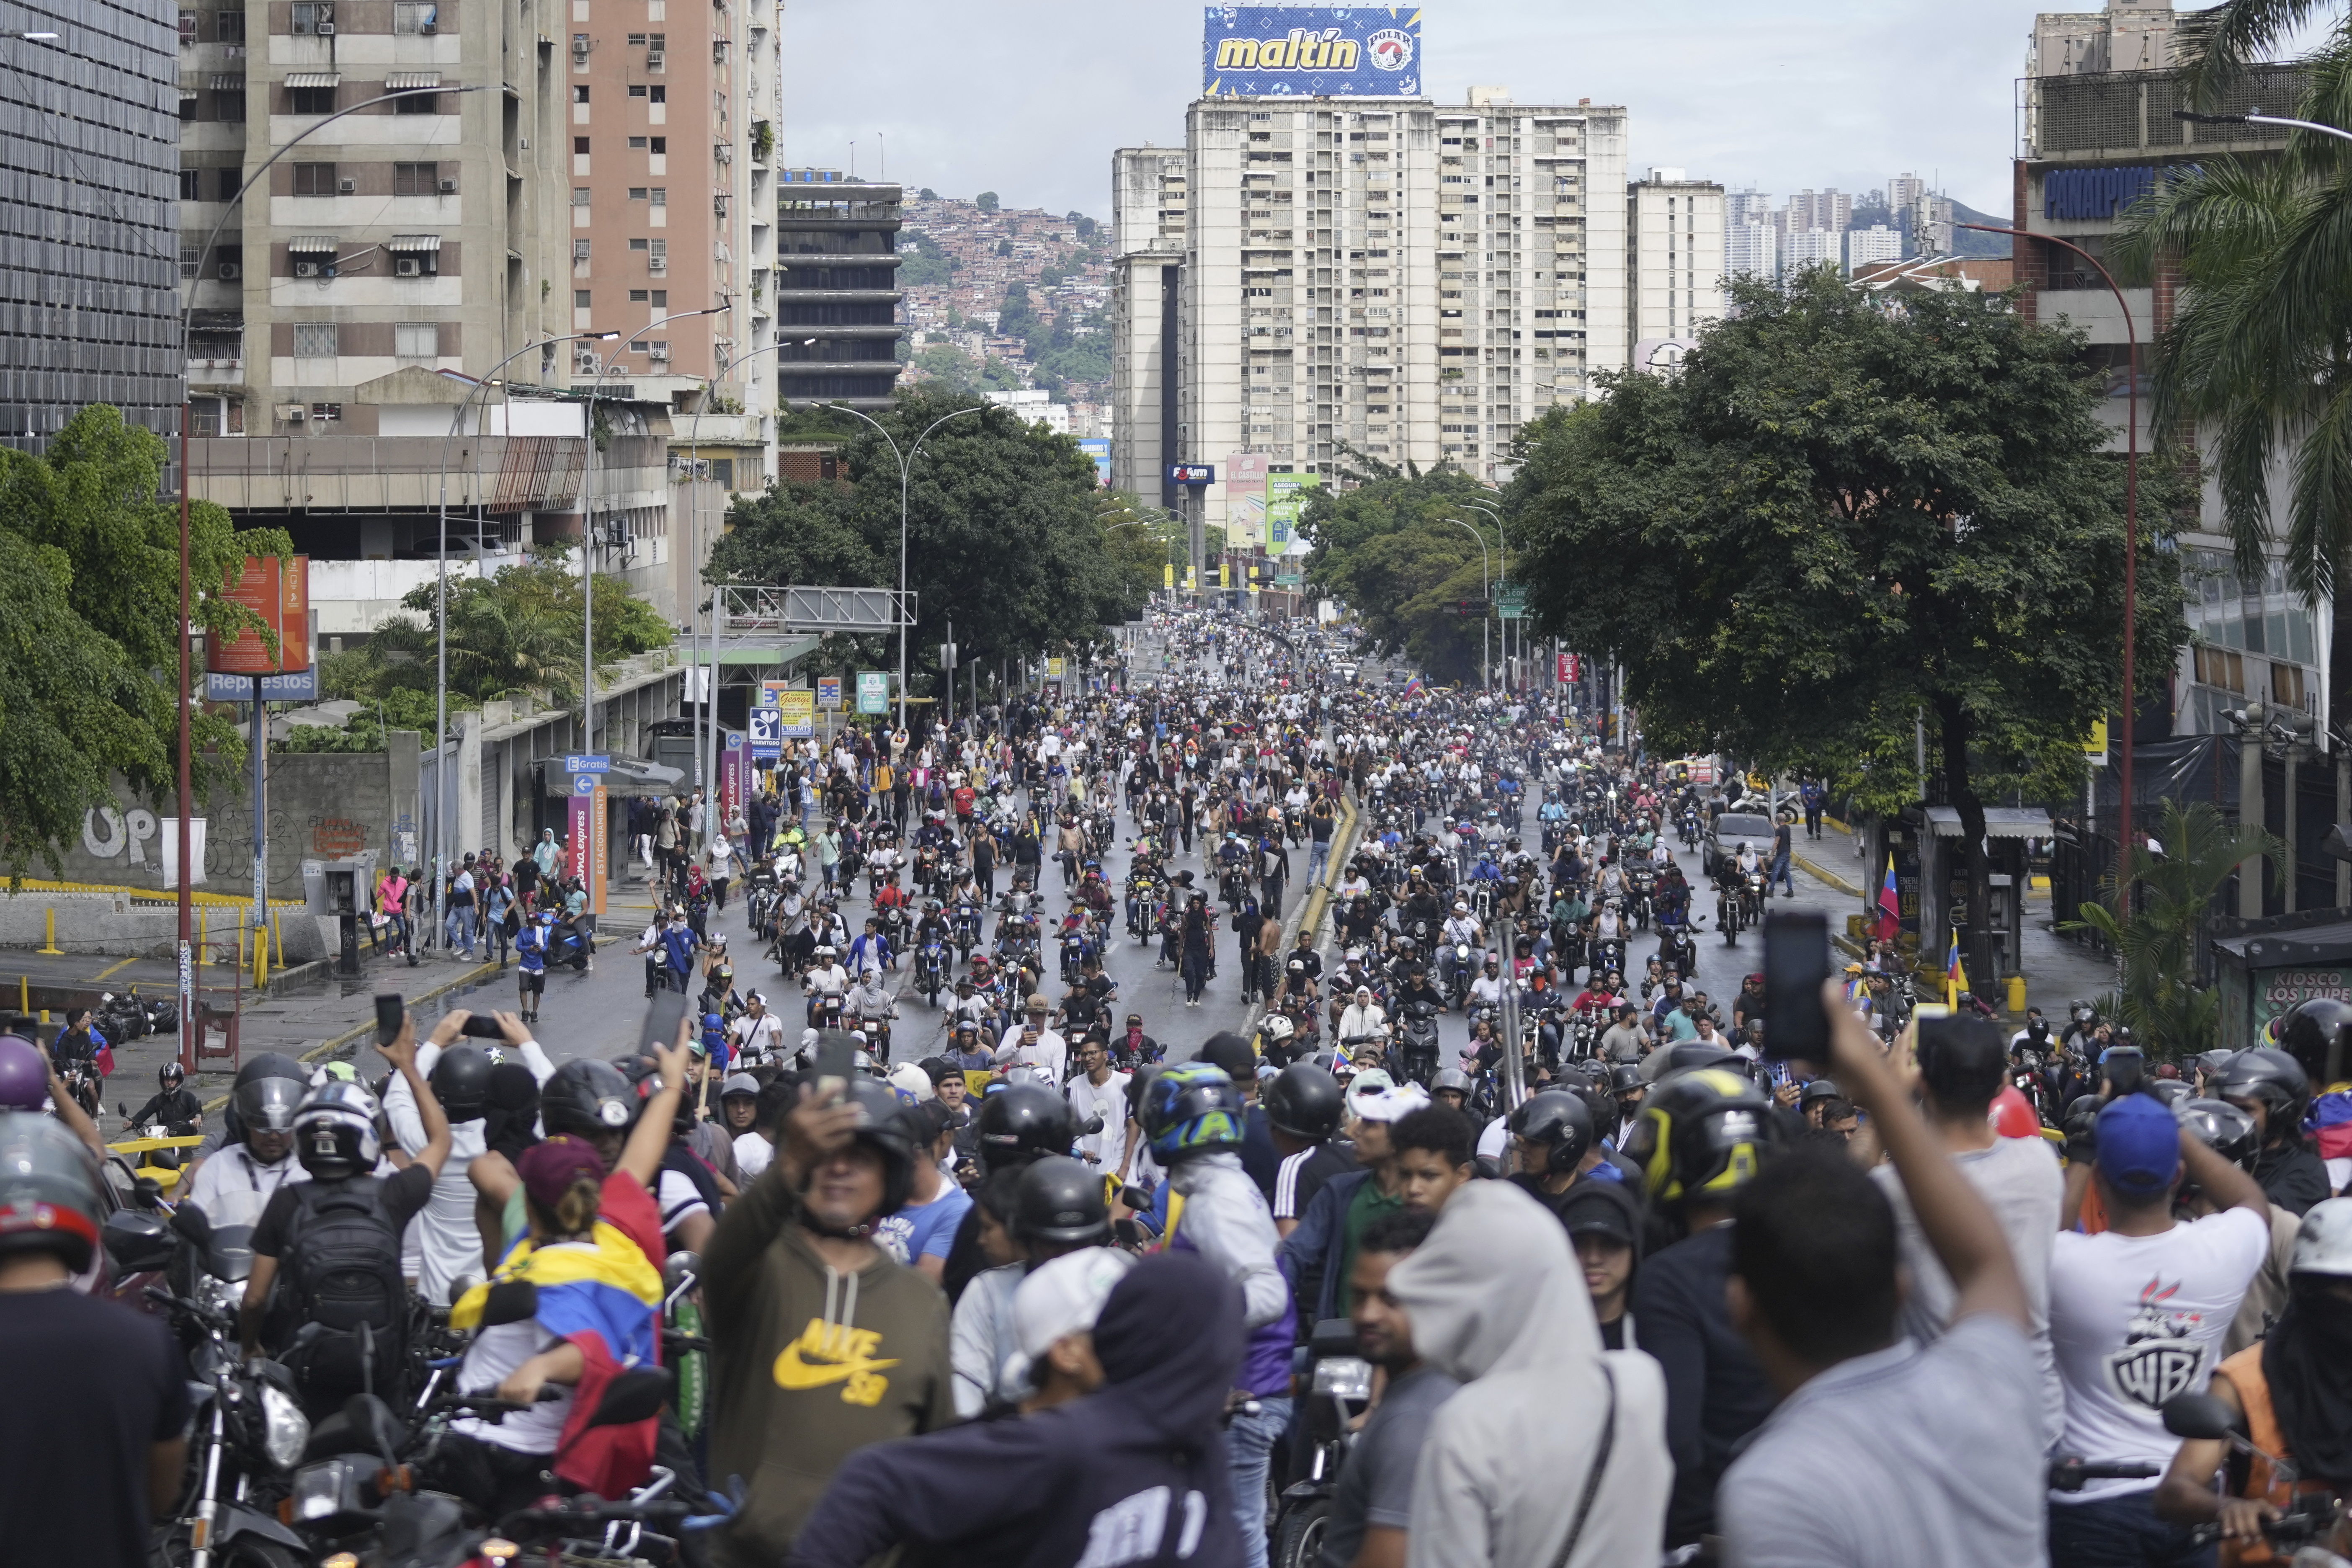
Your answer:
<point x="1486" y="588"/>
<point x="905" y="461"/>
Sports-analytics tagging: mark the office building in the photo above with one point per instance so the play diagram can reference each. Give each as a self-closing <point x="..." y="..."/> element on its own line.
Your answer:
<point x="89" y="157"/>
<point x="1363" y="280"/>
<point x="1877" y="243"/>
<point x="1674" y="259"/>
<point x="2098" y="134"/>
<point x="838" y="289"/>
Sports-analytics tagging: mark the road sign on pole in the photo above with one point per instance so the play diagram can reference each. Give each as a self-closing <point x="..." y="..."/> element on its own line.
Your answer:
<point x="828" y="693"/>
<point x="767" y="737"/>
<point x="873" y="692"/>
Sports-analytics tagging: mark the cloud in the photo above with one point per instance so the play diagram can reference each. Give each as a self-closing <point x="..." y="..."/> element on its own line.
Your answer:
<point x="1028" y="98"/>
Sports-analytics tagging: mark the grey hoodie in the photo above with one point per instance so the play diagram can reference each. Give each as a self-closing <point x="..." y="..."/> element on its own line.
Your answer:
<point x="1498" y="1301"/>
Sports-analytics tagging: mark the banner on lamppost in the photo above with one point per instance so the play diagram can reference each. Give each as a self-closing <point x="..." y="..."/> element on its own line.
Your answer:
<point x="734" y="768"/>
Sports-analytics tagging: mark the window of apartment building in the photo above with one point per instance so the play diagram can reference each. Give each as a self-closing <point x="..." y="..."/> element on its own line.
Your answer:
<point x="660" y="144"/>
<point x="417" y="104"/>
<point x="658" y="349"/>
<point x="580" y="298"/>
<point x="580" y="195"/>
<point x="579" y="253"/>
<point x="639" y="92"/>
<point x="580" y="93"/>
<point x="228" y="105"/>
<point x="579" y="146"/>
<point x="228" y="26"/>
<point x="659" y="195"/>
<point x="188" y="100"/>
<point x="660" y="301"/>
<point x="637" y="296"/>
<point x="314" y="179"/>
<point x="188" y="33"/>
<point x="657" y="44"/>
<point x="417" y="340"/>
<point x="315" y="340"/>
<point x="415" y="16"/>
<point x="659" y="255"/>
<point x="637" y="193"/>
<point x="657" y="94"/>
<point x="308" y="16"/>
<point x="314" y="101"/>
<point x="326" y="413"/>
<point x="636" y="40"/>
<point x="415" y="179"/>
<point x="636" y="143"/>
<point x="228" y="180"/>
<point x="228" y="260"/>
<point x="192" y="185"/>
<point x="192" y="258"/>
<point x="636" y="244"/>
<point x="2286" y="685"/>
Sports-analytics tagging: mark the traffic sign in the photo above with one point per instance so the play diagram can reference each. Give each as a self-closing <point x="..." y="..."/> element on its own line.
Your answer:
<point x="587" y="762"/>
<point x="1511" y="600"/>
<point x="828" y="693"/>
<point x="299" y="685"/>
<point x="873" y="692"/>
<point x="947" y="656"/>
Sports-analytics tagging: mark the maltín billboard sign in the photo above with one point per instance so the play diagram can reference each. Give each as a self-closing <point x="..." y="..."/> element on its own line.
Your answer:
<point x="1311" y="51"/>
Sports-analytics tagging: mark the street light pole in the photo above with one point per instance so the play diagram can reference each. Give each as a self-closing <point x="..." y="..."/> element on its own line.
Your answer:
<point x="441" y="628"/>
<point x="186" y="946"/>
<point x="588" y="531"/>
<point x="1486" y="588"/>
<point x="906" y="461"/>
<point x="2131" y="541"/>
<point x="1502" y="549"/>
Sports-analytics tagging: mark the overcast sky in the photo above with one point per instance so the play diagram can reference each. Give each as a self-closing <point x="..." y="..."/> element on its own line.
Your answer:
<point x="1027" y="98"/>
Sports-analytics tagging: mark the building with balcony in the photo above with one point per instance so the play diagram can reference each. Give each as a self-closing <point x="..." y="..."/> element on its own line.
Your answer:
<point x="836" y="289"/>
<point x="2098" y="134"/>
<point x="88" y="154"/>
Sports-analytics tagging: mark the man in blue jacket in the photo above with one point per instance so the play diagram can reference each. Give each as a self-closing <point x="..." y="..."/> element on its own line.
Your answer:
<point x="1141" y="1460"/>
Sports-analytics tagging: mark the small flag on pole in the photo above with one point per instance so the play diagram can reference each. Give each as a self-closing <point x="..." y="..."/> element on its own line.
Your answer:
<point x="1956" y="979"/>
<point x="1890" y="906"/>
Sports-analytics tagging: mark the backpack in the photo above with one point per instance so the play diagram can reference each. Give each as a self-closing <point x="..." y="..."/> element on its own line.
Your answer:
<point x="342" y="1260"/>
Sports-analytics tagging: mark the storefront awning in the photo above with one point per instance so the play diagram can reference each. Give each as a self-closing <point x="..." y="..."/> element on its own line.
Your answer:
<point x="315" y="79"/>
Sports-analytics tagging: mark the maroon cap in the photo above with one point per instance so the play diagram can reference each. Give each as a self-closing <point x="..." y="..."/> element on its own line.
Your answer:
<point x="548" y="1169"/>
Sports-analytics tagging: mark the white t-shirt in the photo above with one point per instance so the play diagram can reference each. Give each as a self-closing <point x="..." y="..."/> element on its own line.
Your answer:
<point x="1050" y="1054"/>
<point x="753" y="1154"/>
<point x="495" y="1351"/>
<point x="233" y="1184"/>
<point x="757" y="1037"/>
<point x="679" y="1199"/>
<point x="2136" y="1320"/>
<point x="443" y="1242"/>
<point x="1109" y="1102"/>
<point x="2019" y="1180"/>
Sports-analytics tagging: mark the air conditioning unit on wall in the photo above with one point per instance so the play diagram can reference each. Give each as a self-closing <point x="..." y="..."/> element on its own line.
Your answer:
<point x="230" y="269"/>
<point x="407" y="266"/>
<point x="306" y="270"/>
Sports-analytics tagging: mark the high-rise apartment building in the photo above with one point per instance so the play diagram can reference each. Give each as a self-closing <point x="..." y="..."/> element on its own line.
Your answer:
<point x="1148" y="207"/>
<point x="1800" y="248"/>
<point x="1877" y="243"/>
<point x="838" y="289"/>
<point x="1386" y="276"/>
<point x="1829" y="210"/>
<point x="1752" y="249"/>
<point x="89" y="151"/>
<point x="1751" y="206"/>
<point x="1674" y="259"/>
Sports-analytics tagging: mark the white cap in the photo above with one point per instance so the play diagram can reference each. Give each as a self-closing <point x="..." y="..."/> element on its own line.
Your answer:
<point x="911" y="1080"/>
<point x="1375" y="1097"/>
<point x="1060" y="1298"/>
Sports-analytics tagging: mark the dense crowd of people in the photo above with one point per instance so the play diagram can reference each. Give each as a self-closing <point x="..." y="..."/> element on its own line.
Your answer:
<point x="1486" y="1240"/>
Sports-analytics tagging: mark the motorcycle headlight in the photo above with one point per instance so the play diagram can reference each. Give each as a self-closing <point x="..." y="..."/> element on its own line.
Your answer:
<point x="285" y="1430"/>
<point x="1345" y="1377"/>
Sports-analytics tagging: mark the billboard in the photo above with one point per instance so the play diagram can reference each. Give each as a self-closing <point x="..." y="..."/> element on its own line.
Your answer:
<point x="1245" y="498"/>
<point x="1285" y="499"/>
<point x="279" y="593"/>
<point x="1311" y="51"/>
<point x="1098" y="449"/>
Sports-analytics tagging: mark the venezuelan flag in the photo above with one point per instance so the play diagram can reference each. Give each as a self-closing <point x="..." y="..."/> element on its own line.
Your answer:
<point x="604" y="1298"/>
<point x="2331" y="1120"/>
<point x="1414" y="688"/>
<point x="1956" y="979"/>
<point x="1890" y="906"/>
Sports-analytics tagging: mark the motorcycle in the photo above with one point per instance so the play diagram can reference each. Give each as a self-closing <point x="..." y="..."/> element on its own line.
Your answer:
<point x="825" y="1010"/>
<point x="1414" y="1057"/>
<point x="1339" y="1387"/>
<point x="967" y="929"/>
<point x="931" y="970"/>
<point x="1461" y="967"/>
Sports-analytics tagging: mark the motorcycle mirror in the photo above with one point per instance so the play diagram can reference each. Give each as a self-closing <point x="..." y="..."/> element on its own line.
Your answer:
<point x="122" y="1111"/>
<point x="680" y="1271"/>
<point x="461" y="1284"/>
<point x="510" y="1301"/>
<point x="1334" y="1337"/>
<point x="635" y="1395"/>
<point x="2197" y="1416"/>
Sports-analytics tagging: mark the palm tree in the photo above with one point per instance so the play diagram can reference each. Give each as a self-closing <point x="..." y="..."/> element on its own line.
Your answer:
<point x="2158" y="942"/>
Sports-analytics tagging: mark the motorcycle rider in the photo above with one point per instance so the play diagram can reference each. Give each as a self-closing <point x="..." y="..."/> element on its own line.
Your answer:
<point x="261" y="1108"/>
<point x="92" y="1436"/>
<point x="2271" y="1087"/>
<point x="1192" y="1117"/>
<point x="174" y="1106"/>
<point x="1372" y="1504"/>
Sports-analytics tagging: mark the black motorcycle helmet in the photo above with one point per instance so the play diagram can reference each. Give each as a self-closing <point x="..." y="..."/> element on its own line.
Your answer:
<point x="1060" y="1200"/>
<point x="1304" y="1101"/>
<point x="1021" y="1122"/>
<point x="1558" y="1121"/>
<point x="2223" y="1128"/>
<point x="886" y="1126"/>
<point x="171" y="1075"/>
<point x="2317" y="1032"/>
<point x="1703" y="1133"/>
<point x="50" y="1198"/>
<point x="2273" y="1080"/>
<point x="266" y="1090"/>
<point x="585" y="1098"/>
<point x="461" y="1083"/>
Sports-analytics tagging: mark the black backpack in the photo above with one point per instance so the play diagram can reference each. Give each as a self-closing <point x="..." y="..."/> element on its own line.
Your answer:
<point x="341" y="1265"/>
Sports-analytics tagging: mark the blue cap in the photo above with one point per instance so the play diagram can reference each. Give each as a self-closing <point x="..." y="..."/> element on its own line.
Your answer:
<point x="2139" y="1143"/>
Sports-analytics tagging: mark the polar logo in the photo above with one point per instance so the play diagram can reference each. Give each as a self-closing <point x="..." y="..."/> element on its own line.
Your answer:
<point x="1390" y="49"/>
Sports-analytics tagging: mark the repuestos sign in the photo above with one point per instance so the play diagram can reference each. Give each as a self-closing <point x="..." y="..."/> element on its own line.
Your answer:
<point x="1311" y="51"/>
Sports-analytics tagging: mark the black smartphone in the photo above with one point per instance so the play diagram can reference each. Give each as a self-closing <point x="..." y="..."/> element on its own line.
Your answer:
<point x="1796" y="963"/>
<point x="481" y="1026"/>
<point x="836" y="1060"/>
<point x="663" y="1015"/>
<point x="391" y="1011"/>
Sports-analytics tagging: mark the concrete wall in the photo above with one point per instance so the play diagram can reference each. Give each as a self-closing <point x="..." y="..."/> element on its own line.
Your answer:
<point x="321" y="805"/>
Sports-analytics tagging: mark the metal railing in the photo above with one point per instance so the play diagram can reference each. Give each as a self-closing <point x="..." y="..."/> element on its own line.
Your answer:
<point x="2131" y="111"/>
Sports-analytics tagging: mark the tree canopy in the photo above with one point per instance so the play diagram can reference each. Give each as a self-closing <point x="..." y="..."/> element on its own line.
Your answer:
<point x="1845" y="513"/>
<point x="1389" y="549"/>
<point x="1007" y="533"/>
<point x="90" y="653"/>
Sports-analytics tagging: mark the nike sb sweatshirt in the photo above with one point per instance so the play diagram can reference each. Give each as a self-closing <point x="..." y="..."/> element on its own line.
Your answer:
<point x="808" y="1363"/>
